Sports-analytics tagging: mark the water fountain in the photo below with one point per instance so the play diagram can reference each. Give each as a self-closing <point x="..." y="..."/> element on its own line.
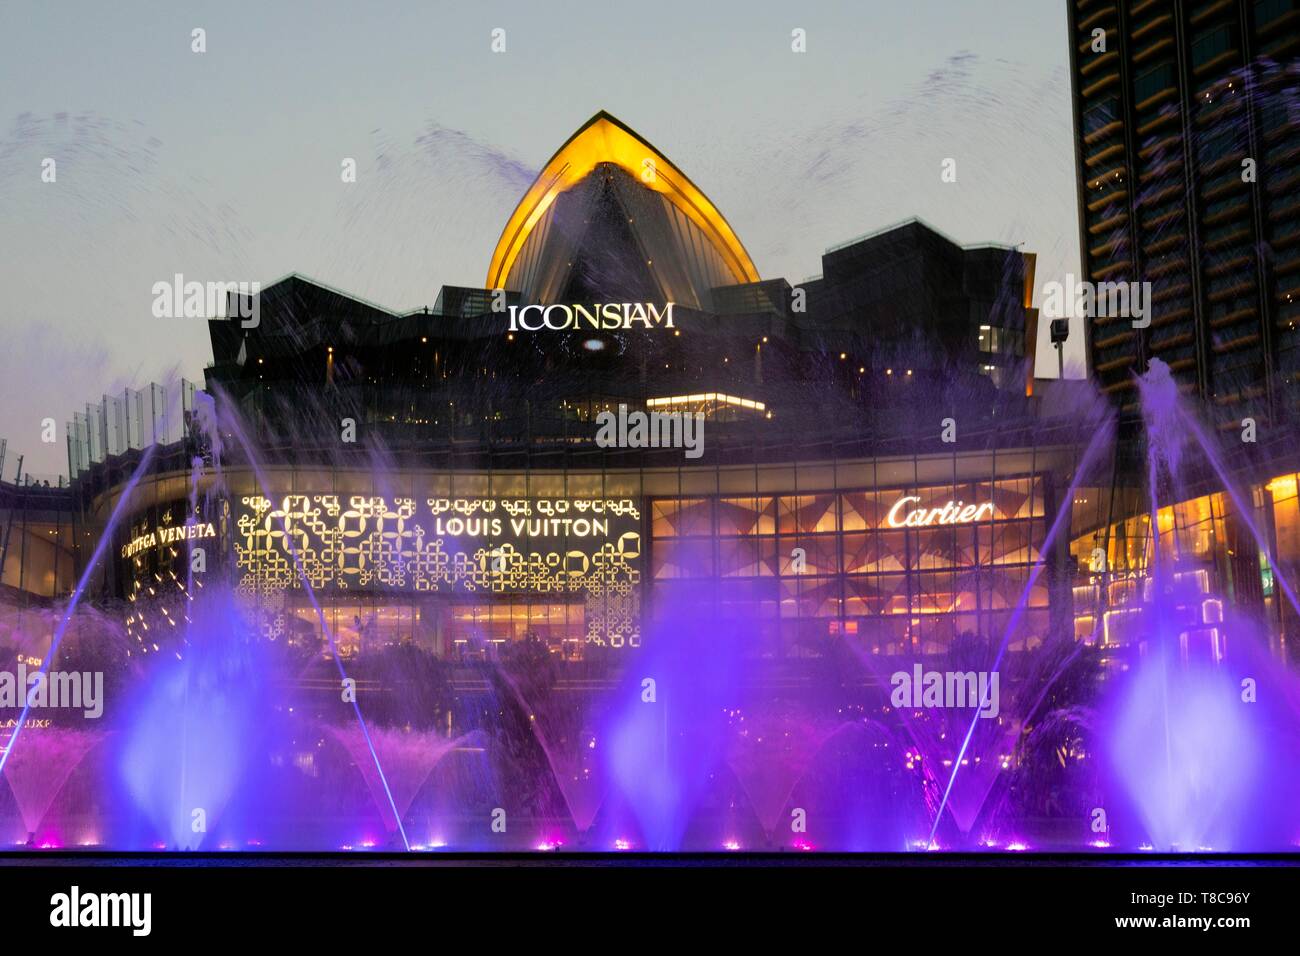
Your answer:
<point x="230" y="735"/>
<point x="1201" y="731"/>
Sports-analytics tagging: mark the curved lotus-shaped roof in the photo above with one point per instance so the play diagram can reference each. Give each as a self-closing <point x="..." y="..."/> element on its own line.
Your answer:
<point x="610" y="214"/>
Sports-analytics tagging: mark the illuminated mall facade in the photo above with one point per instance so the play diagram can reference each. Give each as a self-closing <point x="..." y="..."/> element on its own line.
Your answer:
<point x="876" y="467"/>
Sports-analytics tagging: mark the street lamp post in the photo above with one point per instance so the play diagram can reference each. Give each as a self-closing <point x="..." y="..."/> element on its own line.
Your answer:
<point x="1060" y="332"/>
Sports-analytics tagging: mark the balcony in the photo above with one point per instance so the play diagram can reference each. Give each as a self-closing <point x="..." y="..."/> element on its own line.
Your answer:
<point x="1154" y="221"/>
<point x="1116" y="337"/>
<point x="1173" y="342"/>
<point x="1165" y="117"/>
<point x="1232" y="318"/>
<point x="1213" y="241"/>
<point x="1097" y="252"/>
<point x="1165" y="243"/>
<point x="1225" y="210"/>
<point x="1114" y="197"/>
<point x="1107" y="152"/>
<point x="1122" y="267"/>
<point x="1164" y="43"/>
<point x="1236" y="344"/>
<point x="1274" y="15"/>
<point x="1221" y="60"/>
<point x="1162" y="318"/>
<point x="1166" y="265"/>
<point x="1228" y="292"/>
<point x="1155" y="197"/>
<point x="1171" y="142"/>
<point x="1203" y="14"/>
<point x="1110" y="79"/>
<point x="1099" y="61"/>
<point x="1146" y="28"/>
<point x="1105" y="225"/>
<point x="1162" y="292"/>
<point x="1093" y="19"/>
<point x="1172" y="166"/>
<point x="1124" y="361"/>
<point x="1229" y="265"/>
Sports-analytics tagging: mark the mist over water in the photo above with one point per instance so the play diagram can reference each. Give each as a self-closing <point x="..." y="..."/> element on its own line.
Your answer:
<point x="1200" y="733"/>
<point x="221" y="735"/>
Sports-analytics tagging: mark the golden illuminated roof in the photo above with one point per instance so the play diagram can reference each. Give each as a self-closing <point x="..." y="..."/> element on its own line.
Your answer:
<point x="603" y="139"/>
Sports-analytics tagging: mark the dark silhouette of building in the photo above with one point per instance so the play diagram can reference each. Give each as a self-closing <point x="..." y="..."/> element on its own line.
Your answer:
<point x="896" y="315"/>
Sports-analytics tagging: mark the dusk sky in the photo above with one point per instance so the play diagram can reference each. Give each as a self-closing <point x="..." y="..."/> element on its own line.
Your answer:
<point x="225" y="165"/>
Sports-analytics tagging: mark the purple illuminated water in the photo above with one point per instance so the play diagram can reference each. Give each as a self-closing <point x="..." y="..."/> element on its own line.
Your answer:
<point x="219" y="737"/>
<point x="1200" y="732"/>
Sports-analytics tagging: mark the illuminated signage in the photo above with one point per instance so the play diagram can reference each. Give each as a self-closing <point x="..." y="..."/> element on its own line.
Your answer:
<point x="522" y="527"/>
<point x="601" y="316"/>
<point x="588" y="547"/>
<point x="164" y="535"/>
<point x="954" y="512"/>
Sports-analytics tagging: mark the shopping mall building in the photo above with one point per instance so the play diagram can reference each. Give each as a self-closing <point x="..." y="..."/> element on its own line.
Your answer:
<point x="875" y="466"/>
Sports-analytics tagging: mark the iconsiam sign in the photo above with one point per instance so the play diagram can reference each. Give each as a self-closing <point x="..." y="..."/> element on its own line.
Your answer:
<point x="606" y="316"/>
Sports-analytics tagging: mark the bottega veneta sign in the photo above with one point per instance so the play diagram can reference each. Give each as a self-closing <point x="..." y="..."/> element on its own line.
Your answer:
<point x="600" y="316"/>
<point x="168" y="534"/>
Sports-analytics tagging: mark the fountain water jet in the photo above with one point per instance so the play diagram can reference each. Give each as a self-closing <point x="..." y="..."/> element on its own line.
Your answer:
<point x="1204" y="762"/>
<point x="226" y="412"/>
<point x="1101" y="438"/>
<point x="37" y="774"/>
<point x="91" y="565"/>
<point x="411" y="757"/>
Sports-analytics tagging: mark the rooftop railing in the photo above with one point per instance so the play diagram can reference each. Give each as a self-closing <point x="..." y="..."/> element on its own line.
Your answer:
<point x="135" y="419"/>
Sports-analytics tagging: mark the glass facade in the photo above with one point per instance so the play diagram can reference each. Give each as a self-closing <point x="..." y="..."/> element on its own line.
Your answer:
<point x="806" y="568"/>
<point x="1219" y="558"/>
<point x="899" y="568"/>
<point x="450" y="630"/>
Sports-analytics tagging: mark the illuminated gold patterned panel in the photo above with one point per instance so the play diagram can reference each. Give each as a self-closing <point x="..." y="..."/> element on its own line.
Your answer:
<point x="466" y="545"/>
